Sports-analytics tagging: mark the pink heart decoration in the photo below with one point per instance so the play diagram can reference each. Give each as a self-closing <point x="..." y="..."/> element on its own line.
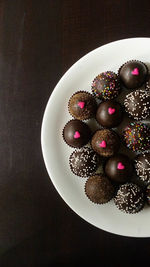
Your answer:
<point x="135" y="71"/>
<point x="81" y="104"/>
<point x="102" y="144"/>
<point x="120" y="166"/>
<point x="111" y="111"/>
<point x="77" y="135"/>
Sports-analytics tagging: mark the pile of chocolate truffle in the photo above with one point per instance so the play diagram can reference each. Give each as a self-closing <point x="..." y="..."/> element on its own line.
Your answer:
<point x="101" y="147"/>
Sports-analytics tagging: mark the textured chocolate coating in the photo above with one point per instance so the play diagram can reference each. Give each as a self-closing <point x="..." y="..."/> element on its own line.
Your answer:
<point x="119" y="168"/>
<point x="142" y="166"/>
<point x="137" y="104"/>
<point x="109" y="114"/>
<point x="76" y="133"/>
<point x="106" y="85"/>
<point x="133" y="74"/>
<point x="137" y="136"/>
<point x="82" y="105"/>
<point x="83" y="162"/>
<point x="99" y="189"/>
<point x="105" y="142"/>
<point x="129" y="198"/>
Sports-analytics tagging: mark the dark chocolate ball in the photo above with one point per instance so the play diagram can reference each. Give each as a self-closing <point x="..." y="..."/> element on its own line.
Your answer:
<point x="137" y="104"/>
<point x="105" y="142"/>
<point x="76" y="133"/>
<point x="83" y="162"/>
<point x="99" y="189"/>
<point x="137" y="136"/>
<point x="142" y="166"/>
<point x="119" y="168"/>
<point x="82" y="105"/>
<point x="133" y="74"/>
<point x="106" y="85"/>
<point x="109" y="114"/>
<point x="129" y="198"/>
<point x="148" y="194"/>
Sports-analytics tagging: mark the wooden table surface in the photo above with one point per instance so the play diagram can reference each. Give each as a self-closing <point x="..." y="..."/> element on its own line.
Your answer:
<point x="39" y="41"/>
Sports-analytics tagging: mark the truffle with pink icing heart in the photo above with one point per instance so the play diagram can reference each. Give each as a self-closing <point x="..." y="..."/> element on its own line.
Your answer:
<point x="76" y="133"/>
<point x="105" y="142"/>
<point x="133" y="74"/>
<point x="119" y="168"/>
<point x="109" y="114"/>
<point x="82" y="105"/>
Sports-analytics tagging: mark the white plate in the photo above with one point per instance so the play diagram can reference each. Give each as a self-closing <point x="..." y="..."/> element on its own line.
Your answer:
<point x="56" y="152"/>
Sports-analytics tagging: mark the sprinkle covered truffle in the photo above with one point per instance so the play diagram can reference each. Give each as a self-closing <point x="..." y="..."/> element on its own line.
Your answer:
<point x="83" y="162"/>
<point x="142" y="167"/>
<point x="129" y="198"/>
<point x="106" y="85"/>
<point x="137" y="136"/>
<point x="137" y="104"/>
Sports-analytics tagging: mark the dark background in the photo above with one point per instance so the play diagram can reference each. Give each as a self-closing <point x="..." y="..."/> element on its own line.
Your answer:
<point x="39" y="41"/>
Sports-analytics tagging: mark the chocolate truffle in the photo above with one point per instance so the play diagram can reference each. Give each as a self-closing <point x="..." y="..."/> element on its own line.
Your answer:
<point x="99" y="189"/>
<point x="83" y="162"/>
<point x="119" y="168"/>
<point x="142" y="166"/>
<point x="137" y="136"/>
<point x="106" y="85"/>
<point x="105" y="142"/>
<point x="76" y="133"/>
<point x="129" y="198"/>
<point x="133" y="74"/>
<point x="109" y="114"/>
<point x="148" y="194"/>
<point x="82" y="105"/>
<point x="137" y="104"/>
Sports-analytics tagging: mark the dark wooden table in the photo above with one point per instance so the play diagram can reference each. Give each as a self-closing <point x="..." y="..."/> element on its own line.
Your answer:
<point x="39" y="41"/>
